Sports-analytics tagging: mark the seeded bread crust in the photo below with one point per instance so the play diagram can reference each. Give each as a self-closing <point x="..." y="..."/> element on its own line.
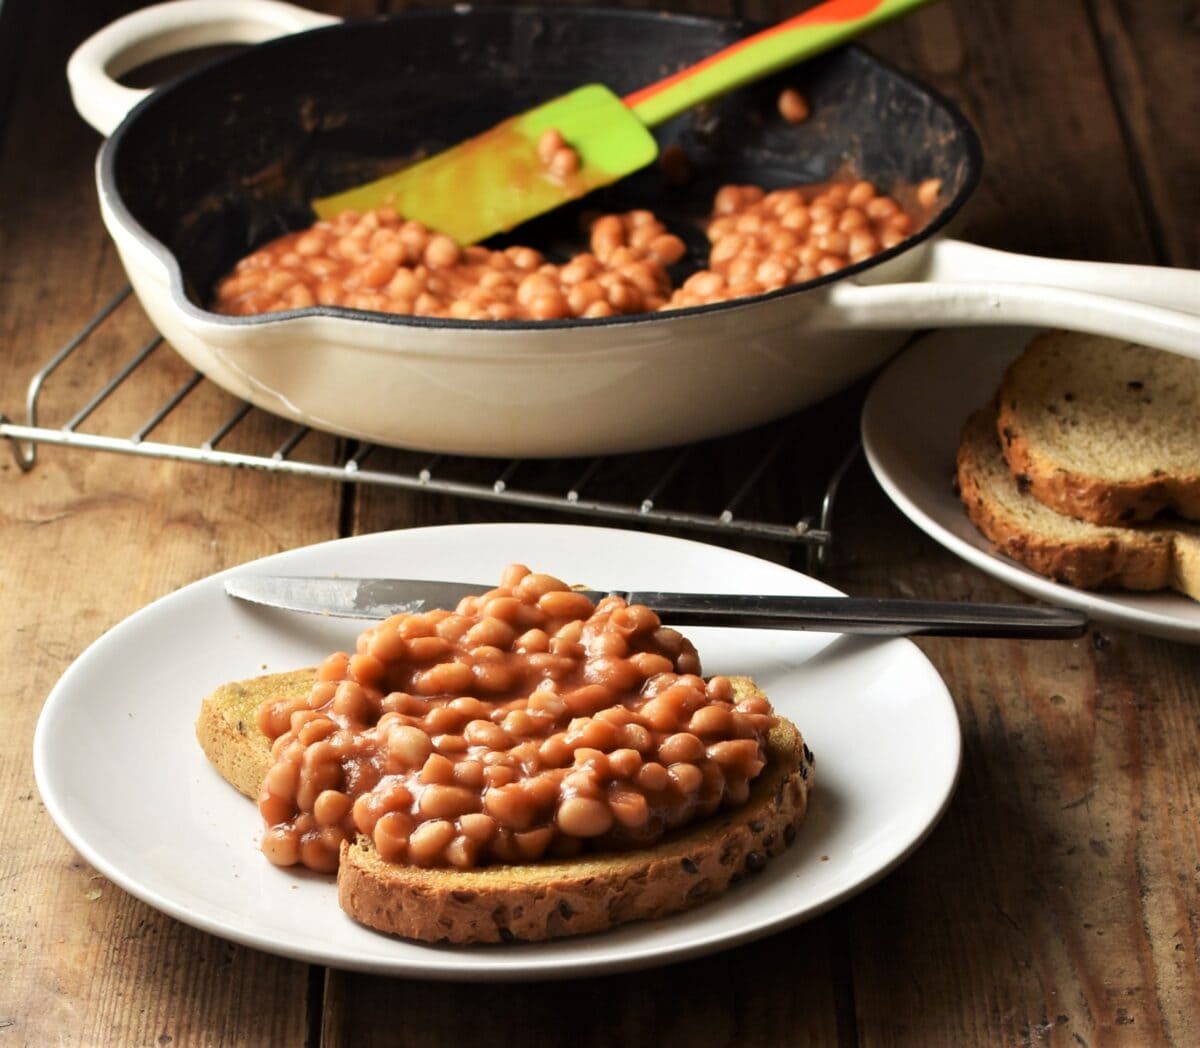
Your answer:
<point x="543" y="900"/>
<point x="1078" y="553"/>
<point x="1103" y="430"/>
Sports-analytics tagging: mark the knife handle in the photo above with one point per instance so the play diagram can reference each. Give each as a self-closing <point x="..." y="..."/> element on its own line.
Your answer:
<point x="867" y="615"/>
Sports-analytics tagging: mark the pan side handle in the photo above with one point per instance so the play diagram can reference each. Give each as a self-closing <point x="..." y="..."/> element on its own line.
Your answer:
<point x="962" y="284"/>
<point x="164" y="29"/>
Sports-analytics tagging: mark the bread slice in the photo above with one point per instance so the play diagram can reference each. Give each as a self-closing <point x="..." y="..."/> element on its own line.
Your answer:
<point x="541" y="900"/>
<point x="1103" y="430"/>
<point x="228" y="730"/>
<point x="1089" y="556"/>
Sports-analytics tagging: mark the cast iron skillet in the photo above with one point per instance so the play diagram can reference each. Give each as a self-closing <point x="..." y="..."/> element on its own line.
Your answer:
<point x="210" y="166"/>
<point x="229" y="157"/>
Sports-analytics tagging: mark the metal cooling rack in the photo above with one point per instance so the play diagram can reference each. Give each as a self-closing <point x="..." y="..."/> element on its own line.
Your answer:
<point x="440" y="474"/>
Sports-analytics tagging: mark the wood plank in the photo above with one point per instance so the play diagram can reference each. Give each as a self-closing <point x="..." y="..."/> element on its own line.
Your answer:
<point x="1156" y="84"/>
<point x="771" y="993"/>
<point x="14" y="20"/>
<point x="1061" y="913"/>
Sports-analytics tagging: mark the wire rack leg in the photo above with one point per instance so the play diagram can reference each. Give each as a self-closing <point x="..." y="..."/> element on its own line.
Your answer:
<point x="26" y="455"/>
<point x="817" y="557"/>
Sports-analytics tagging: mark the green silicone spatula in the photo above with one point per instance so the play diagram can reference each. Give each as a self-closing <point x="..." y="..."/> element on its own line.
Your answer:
<point x="497" y="180"/>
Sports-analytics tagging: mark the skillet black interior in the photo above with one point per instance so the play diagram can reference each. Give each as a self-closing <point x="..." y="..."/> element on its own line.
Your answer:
<point x="228" y="156"/>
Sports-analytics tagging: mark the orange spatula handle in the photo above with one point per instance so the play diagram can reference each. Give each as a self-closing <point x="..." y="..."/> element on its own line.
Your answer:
<point x="809" y="33"/>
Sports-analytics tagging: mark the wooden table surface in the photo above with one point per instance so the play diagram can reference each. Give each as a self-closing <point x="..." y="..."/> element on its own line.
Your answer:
<point x="1055" y="903"/>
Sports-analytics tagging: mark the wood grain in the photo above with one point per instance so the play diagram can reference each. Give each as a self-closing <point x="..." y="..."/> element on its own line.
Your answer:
<point x="1059" y="907"/>
<point x="1152" y="57"/>
<point x="775" y="992"/>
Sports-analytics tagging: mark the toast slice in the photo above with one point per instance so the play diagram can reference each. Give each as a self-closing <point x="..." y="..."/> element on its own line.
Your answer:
<point x="1103" y="430"/>
<point x="541" y="900"/>
<point x="1089" y="556"/>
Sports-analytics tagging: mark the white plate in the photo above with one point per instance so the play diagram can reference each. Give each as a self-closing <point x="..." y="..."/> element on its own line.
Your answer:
<point x="121" y="773"/>
<point x="910" y="428"/>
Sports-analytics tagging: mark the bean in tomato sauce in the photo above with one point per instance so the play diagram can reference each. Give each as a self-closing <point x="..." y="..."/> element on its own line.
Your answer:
<point x="526" y="723"/>
<point x="760" y="241"/>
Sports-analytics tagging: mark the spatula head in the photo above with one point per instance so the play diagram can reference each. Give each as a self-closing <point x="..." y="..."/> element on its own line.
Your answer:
<point x="496" y="180"/>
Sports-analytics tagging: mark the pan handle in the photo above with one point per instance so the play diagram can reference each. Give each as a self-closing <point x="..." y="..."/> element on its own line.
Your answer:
<point x="164" y="29"/>
<point x="962" y="284"/>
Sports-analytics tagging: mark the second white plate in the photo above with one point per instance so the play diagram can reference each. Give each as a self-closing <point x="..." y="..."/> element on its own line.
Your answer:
<point x="910" y="428"/>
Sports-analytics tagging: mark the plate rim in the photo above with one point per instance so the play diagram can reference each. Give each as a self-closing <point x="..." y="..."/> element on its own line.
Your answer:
<point x="443" y="966"/>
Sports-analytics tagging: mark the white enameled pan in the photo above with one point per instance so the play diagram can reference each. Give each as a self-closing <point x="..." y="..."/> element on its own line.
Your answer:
<point x="198" y="172"/>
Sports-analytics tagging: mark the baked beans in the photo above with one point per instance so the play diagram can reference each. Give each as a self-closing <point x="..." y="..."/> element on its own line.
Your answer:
<point x="760" y="241"/>
<point x="528" y="722"/>
<point x="793" y="106"/>
<point x="559" y="159"/>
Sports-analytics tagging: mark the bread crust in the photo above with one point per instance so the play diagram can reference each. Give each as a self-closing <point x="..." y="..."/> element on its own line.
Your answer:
<point x="1037" y="384"/>
<point x="534" y="901"/>
<point x="1079" y="554"/>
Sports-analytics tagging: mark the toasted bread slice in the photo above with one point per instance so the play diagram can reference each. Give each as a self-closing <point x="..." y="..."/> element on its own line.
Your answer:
<point x="1089" y="556"/>
<point x="228" y="728"/>
<point x="1103" y="430"/>
<point x="541" y="900"/>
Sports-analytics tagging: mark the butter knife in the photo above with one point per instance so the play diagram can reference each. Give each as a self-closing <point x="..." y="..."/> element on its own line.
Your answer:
<point x="357" y="598"/>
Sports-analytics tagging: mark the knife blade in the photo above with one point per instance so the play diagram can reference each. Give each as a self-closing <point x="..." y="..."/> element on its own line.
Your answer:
<point x="365" y="598"/>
